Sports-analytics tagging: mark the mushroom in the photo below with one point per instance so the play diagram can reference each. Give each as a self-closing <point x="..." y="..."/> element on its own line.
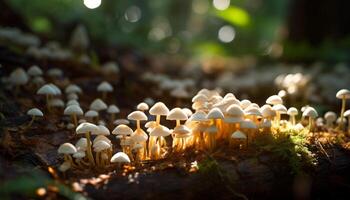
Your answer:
<point x="279" y="109"/>
<point x="274" y="100"/>
<point x="330" y="118"/>
<point x="56" y="103"/>
<point x="98" y="105"/>
<point x="88" y="129"/>
<point x="155" y="145"/>
<point x="18" y="77"/>
<point x="210" y="133"/>
<point x="124" y="131"/>
<point x="249" y="128"/>
<point x="200" y="120"/>
<point x="215" y="115"/>
<point x="292" y="112"/>
<point x="312" y="114"/>
<point x="112" y="110"/>
<point x="67" y="149"/>
<point x="159" y="109"/>
<point x="137" y="116"/>
<point x="177" y="114"/>
<point x="34" y="112"/>
<point x="48" y="91"/>
<point x="73" y="111"/>
<point x="237" y="137"/>
<point x="343" y="94"/>
<point x="92" y="114"/>
<point x="104" y="87"/>
<point x="121" y="121"/>
<point x="79" y="159"/>
<point x="73" y="89"/>
<point x="142" y="106"/>
<point x="234" y="115"/>
<point x="180" y="133"/>
<point x="100" y="147"/>
<point x="34" y="71"/>
<point x="139" y="138"/>
<point x="120" y="158"/>
<point x="179" y="93"/>
<point x="72" y="96"/>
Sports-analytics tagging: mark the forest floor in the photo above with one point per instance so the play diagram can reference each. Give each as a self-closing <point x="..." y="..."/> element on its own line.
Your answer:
<point x="29" y="157"/>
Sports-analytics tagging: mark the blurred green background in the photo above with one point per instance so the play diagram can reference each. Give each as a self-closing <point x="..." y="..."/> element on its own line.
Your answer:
<point x="296" y="30"/>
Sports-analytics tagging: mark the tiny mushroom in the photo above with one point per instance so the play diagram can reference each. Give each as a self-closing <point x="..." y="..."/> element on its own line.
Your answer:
<point x="113" y="110"/>
<point x="73" y="111"/>
<point x="142" y="106"/>
<point x="105" y="88"/>
<point x="120" y="158"/>
<point x="159" y="109"/>
<point x="34" y="112"/>
<point x="98" y="105"/>
<point x="343" y="94"/>
<point x="88" y="129"/>
<point x="67" y="149"/>
<point x="177" y="114"/>
<point x="292" y="112"/>
<point x="312" y="114"/>
<point x="330" y="118"/>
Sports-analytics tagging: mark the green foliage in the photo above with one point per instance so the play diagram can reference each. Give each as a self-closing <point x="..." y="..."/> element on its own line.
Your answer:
<point x="234" y="15"/>
<point x="290" y="146"/>
<point x="26" y="186"/>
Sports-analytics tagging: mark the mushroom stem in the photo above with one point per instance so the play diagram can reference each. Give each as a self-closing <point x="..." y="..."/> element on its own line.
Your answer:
<point x="70" y="160"/>
<point x="138" y="124"/>
<point x="292" y="119"/>
<point x="343" y="105"/>
<point x="31" y="122"/>
<point x="278" y="117"/>
<point x="88" y="149"/>
<point x="75" y="119"/>
<point x="310" y="124"/>
<point x="157" y="120"/>
<point x="178" y="122"/>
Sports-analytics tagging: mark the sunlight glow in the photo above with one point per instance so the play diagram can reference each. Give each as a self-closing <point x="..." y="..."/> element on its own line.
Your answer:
<point x="133" y="14"/>
<point x="226" y="34"/>
<point x="221" y="4"/>
<point x="92" y="4"/>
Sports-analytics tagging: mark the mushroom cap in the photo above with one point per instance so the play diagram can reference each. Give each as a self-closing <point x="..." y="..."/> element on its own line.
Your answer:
<point x="187" y="111"/>
<point x="229" y="95"/>
<point x="73" y="109"/>
<point x="103" y="138"/>
<point x="199" y="105"/>
<point x="159" y="109"/>
<point x="122" y="130"/>
<point x="160" y="131"/>
<point x="19" y="77"/>
<point x="81" y="144"/>
<point x="38" y="80"/>
<point x="248" y="124"/>
<point x="343" y="93"/>
<point x="200" y="98"/>
<point x="211" y="129"/>
<point x="139" y="136"/>
<point x="35" y="112"/>
<point x="102" y="130"/>
<point x="120" y="157"/>
<point x="181" y="131"/>
<point x="238" y="135"/>
<point x="292" y="111"/>
<point x="137" y="115"/>
<point x="151" y="124"/>
<point x="280" y="108"/>
<point x="55" y="72"/>
<point x="34" y="71"/>
<point x="67" y="148"/>
<point x="72" y="96"/>
<point x="101" y="145"/>
<point x="105" y="87"/>
<point x="72" y="88"/>
<point x="47" y="90"/>
<point x="86" y="127"/>
<point x="110" y="67"/>
<point x="142" y="106"/>
<point x="55" y="88"/>
<point x="73" y="102"/>
<point x="199" y="116"/>
<point x="347" y="114"/>
<point x="235" y="111"/>
<point x="113" y="109"/>
<point x="121" y="121"/>
<point x="56" y="102"/>
<point x="215" y="113"/>
<point x="176" y="114"/>
<point x="252" y="111"/>
<point x="266" y="111"/>
<point x="331" y="116"/>
<point x="274" y="100"/>
<point x="310" y="112"/>
<point x="91" y="113"/>
<point x="98" y="105"/>
<point x="245" y="103"/>
<point x="79" y="154"/>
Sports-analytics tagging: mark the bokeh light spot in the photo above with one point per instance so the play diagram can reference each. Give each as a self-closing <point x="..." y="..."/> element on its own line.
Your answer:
<point x="221" y="4"/>
<point x="92" y="4"/>
<point x="133" y="14"/>
<point x="226" y="34"/>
